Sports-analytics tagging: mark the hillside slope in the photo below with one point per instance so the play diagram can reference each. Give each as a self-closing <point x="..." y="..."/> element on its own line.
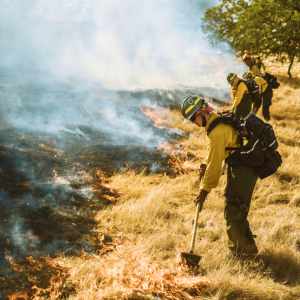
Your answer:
<point x="156" y="214"/>
<point x="151" y="223"/>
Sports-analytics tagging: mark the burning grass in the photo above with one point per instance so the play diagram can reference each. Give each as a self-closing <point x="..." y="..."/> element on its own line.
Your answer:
<point x="45" y="276"/>
<point x="39" y="275"/>
<point x="129" y="273"/>
<point x="152" y="222"/>
<point x="118" y="269"/>
<point x="160" y="210"/>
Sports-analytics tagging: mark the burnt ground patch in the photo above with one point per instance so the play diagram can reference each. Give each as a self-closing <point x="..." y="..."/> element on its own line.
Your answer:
<point x="58" y="144"/>
<point x="51" y="189"/>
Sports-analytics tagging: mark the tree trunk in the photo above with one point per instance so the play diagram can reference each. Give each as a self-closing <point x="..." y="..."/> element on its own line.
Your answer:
<point x="290" y="66"/>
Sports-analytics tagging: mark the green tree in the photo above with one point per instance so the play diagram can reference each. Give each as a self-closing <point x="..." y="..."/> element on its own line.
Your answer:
<point x="265" y="27"/>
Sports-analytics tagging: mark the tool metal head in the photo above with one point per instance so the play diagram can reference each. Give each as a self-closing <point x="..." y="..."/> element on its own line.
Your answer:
<point x="191" y="259"/>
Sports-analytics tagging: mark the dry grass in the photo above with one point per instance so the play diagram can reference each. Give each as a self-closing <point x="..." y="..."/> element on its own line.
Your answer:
<point x="156" y="212"/>
<point x="280" y="69"/>
<point x="130" y="274"/>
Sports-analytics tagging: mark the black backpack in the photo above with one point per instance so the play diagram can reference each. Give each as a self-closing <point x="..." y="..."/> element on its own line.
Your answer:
<point x="258" y="62"/>
<point x="257" y="144"/>
<point x="271" y="79"/>
<point x="252" y="87"/>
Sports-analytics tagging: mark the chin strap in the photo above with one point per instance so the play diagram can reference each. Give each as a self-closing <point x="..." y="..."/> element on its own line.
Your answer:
<point x="203" y="121"/>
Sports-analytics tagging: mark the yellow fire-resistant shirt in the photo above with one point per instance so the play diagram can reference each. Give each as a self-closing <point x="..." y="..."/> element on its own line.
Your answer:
<point x="221" y="136"/>
<point x="259" y="63"/>
<point x="254" y="70"/>
<point x="237" y="93"/>
<point x="262" y="83"/>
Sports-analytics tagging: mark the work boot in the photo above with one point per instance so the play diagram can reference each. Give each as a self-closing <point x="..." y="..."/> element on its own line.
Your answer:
<point x="250" y="252"/>
<point x="250" y="249"/>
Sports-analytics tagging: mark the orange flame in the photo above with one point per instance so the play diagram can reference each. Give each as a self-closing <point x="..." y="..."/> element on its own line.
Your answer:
<point x="17" y="296"/>
<point x="135" y="275"/>
<point x="178" y="157"/>
<point x="149" y="113"/>
<point x="56" y="275"/>
<point x="58" y="179"/>
<point x="173" y="148"/>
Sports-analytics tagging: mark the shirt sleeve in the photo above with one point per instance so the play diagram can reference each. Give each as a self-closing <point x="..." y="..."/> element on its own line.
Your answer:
<point x="215" y="156"/>
<point x="241" y="90"/>
<point x="233" y="92"/>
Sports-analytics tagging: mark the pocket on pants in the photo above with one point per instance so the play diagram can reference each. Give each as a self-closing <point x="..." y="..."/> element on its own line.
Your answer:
<point x="231" y="177"/>
<point x="232" y="212"/>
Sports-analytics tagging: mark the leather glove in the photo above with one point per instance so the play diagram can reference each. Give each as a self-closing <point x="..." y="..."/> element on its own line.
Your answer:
<point x="202" y="171"/>
<point x="201" y="198"/>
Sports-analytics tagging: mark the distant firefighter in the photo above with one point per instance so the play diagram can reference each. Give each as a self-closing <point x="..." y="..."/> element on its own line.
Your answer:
<point x="252" y="67"/>
<point x="240" y="96"/>
<point x="265" y="95"/>
<point x="252" y="58"/>
<point x="259" y="63"/>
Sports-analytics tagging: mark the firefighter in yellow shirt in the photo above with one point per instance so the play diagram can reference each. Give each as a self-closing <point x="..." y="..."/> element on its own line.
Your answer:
<point x="252" y="67"/>
<point x="241" y="178"/>
<point x="259" y="63"/>
<point x="241" y="100"/>
<point x="265" y="95"/>
<point x="252" y="57"/>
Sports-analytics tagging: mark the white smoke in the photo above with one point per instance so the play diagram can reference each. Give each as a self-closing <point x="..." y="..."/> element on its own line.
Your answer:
<point x="123" y="45"/>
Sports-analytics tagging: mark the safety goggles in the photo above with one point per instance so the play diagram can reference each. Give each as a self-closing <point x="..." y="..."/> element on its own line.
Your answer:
<point x="193" y="118"/>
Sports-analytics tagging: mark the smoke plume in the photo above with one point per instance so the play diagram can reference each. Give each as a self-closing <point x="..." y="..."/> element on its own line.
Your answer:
<point x="73" y="74"/>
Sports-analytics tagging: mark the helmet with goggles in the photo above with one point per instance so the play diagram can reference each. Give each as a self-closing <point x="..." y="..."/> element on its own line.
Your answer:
<point x="190" y="105"/>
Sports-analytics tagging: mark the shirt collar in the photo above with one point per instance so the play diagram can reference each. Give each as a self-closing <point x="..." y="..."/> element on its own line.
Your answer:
<point x="212" y="118"/>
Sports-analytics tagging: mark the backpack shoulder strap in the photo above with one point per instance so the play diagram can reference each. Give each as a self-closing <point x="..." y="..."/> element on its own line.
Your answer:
<point x="223" y="119"/>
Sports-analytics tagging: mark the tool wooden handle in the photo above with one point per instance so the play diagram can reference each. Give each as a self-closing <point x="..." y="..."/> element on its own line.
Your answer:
<point x="195" y="228"/>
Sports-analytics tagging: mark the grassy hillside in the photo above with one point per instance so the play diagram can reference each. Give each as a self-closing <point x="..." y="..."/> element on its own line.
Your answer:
<point x="151" y="223"/>
<point x="155" y="214"/>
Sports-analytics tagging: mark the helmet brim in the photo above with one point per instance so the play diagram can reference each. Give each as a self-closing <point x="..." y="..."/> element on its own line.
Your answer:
<point x="186" y="120"/>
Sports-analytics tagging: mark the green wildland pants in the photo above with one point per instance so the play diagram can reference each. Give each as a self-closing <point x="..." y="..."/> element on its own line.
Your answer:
<point x="266" y="100"/>
<point x="243" y="108"/>
<point x="240" y="185"/>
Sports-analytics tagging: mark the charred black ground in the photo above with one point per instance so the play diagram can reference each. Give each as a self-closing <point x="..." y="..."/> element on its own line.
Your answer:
<point x="55" y="138"/>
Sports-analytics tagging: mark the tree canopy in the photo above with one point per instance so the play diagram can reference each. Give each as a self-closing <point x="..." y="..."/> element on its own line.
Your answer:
<point x="264" y="27"/>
